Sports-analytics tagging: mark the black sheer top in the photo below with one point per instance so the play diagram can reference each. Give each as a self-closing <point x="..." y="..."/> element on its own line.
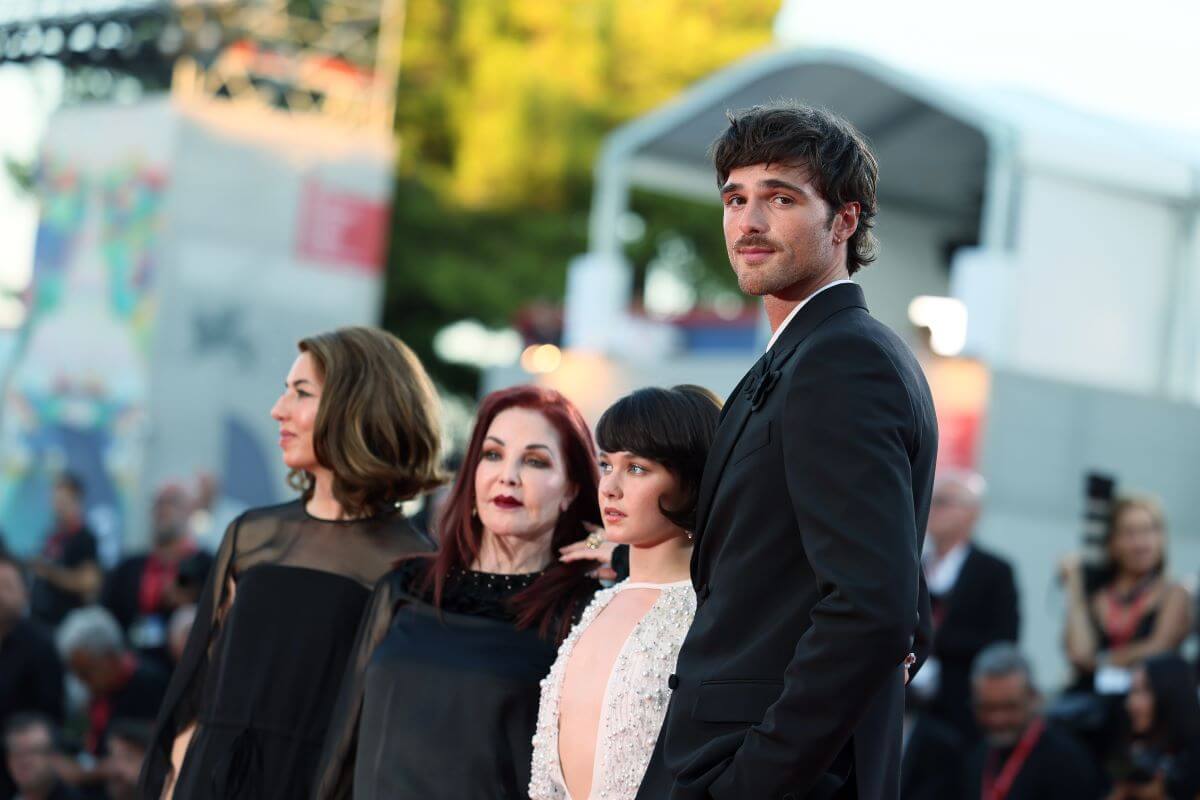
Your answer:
<point x="437" y="702"/>
<point x="274" y="627"/>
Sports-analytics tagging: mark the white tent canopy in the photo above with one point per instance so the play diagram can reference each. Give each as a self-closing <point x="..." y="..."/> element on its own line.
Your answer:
<point x="971" y="166"/>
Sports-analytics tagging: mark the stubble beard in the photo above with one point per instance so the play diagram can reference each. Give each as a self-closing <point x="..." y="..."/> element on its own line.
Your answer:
<point x="776" y="276"/>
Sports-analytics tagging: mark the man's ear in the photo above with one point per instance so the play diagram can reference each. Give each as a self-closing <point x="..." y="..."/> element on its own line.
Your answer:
<point x="845" y="221"/>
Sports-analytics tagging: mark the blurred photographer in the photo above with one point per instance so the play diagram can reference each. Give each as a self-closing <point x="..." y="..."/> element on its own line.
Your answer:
<point x="1163" y="759"/>
<point x="1119" y="613"/>
<point x="1136" y="610"/>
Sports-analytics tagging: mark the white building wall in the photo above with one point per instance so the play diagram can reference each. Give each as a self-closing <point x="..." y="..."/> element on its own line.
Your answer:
<point x="1091" y="290"/>
<point x="911" y="262"/>
<point x="1041" y="438"/>
<point x="241" y="289"/>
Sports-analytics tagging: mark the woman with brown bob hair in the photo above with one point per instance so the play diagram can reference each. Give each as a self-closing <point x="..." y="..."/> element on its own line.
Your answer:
<point x="250" y="701"/>
<point x="441" y="696"/>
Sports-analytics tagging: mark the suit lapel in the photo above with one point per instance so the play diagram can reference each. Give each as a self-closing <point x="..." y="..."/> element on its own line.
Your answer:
<point x="738" y="412"/>
<point x="737" y="409"/>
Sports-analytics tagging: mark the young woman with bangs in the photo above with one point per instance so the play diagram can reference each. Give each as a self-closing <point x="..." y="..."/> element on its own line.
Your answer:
<point x="248" y="705"/>
<point x="605" y="698"/>
<point x="441" y="696"/>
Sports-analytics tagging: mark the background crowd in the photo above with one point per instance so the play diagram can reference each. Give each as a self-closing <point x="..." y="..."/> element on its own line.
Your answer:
<point x="86" y="650"/>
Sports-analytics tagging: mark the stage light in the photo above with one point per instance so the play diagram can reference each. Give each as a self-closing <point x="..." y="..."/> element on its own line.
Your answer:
<point x="170" y="39"/>
<point x="469" y="342"/>
<point x="14" y="45"/>
<point x="82" y="38"/>
<point x="728" y="305"/>
<point x="53" y="42"/>
<point x="111" y="35"/>
<point x="127" y="90"/>
<point x="99" y="82"/>
<point x="946" y="319"/>
<point x="31" y="44"/>
<point x="541" y="359"/>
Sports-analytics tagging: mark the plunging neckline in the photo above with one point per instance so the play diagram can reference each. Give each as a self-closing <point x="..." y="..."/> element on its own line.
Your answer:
<point x="608" y="683"/>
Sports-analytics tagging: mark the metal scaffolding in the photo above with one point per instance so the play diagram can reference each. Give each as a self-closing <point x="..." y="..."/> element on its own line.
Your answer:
<point x="337" y="59"/>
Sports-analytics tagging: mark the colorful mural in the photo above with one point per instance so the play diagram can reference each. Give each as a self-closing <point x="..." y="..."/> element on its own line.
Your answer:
<point x="76" y="397"/>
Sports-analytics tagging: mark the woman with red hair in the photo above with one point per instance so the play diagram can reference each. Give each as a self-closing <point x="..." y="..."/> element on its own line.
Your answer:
<point x="441" y="697"/>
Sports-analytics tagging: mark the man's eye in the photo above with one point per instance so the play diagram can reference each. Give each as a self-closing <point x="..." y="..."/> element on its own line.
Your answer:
<point x="734" y="200"/>
<point x="783" y="200"/>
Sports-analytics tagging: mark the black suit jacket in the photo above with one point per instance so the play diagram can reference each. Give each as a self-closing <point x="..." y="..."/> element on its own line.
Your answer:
<point x="980" y="609"/>
<point x="811" y="517"/>
<point x="931" y="766"/>
<point x="1058" y="768"/>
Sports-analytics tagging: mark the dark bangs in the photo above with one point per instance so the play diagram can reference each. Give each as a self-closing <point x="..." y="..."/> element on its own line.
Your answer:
<point x="673" y="427"/>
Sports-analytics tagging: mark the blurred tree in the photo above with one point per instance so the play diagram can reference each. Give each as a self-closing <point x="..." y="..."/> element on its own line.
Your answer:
<point x="501" y="108"/>
<point x="20" y="173"/>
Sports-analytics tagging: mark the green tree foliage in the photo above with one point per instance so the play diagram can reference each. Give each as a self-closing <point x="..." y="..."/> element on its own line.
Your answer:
<point x="501" y="108"/>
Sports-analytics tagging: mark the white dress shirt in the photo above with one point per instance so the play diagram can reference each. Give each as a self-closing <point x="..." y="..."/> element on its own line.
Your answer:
<point x="942" y="573"/>
<point x="940" y="576"/>
<point x="799" y="306"/>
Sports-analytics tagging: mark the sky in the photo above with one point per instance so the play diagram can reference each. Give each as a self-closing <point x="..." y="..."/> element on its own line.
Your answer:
<point x="1138" y="61"/>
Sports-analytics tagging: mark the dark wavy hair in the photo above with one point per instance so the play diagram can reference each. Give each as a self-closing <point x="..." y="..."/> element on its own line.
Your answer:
<point x="551" y="602"/>
<point x="674" y="427"/>
<point x="378" y="426"/>
<point x="837" y="157"/>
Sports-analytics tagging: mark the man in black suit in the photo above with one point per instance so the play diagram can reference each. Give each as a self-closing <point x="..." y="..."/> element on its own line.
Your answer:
<point x="932" y="755"/>
<point x="814" y="500"/>
<point x="974" y="597"/>
<point x="1022" y="757"/>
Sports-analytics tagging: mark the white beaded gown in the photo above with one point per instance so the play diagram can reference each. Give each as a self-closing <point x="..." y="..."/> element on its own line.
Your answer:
<point x="635" y="698"/>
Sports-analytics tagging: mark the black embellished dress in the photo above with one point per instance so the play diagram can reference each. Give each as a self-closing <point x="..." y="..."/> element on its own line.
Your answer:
<point x="274" y="629"/>
<point x="438" y="703"/>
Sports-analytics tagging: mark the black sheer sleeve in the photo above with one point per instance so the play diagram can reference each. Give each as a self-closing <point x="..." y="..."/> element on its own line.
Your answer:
<point x="335" y="777"/>
<point x="179" y="708"/>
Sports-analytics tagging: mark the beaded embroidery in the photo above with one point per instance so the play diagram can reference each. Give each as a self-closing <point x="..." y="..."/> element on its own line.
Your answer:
<point x="634" y="705"/>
